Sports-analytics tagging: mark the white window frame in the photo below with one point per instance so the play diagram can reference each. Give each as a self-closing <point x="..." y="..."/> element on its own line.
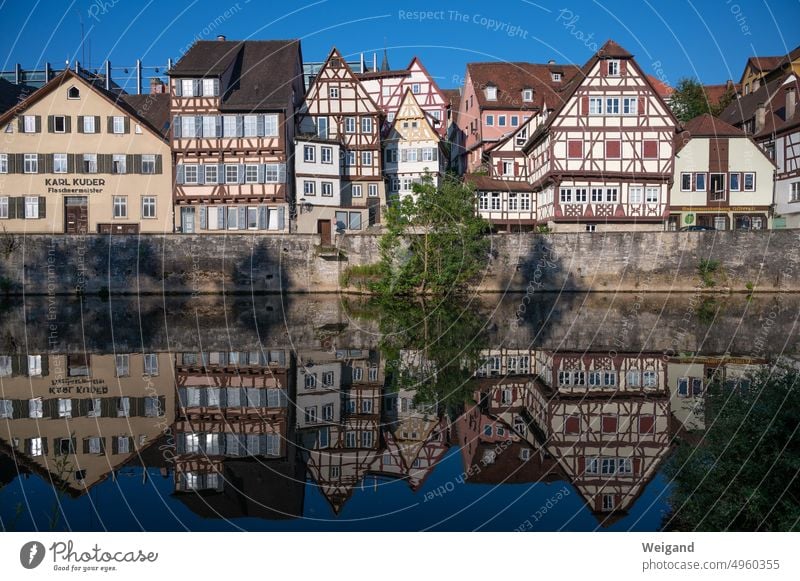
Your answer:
<point x="211" y="173"/>
<point x="60" y="164"/>
<point x="31" y="163"/>
<point x="234" y="167"/>
<point x="118" y="124"/>
<point x="148" y="207"/>
<point x="372" y="190"/>
<point x="120" y="207"/>
<point x="31" y="207"/>
<point x="309" y="188"/>
<point x="357" y="191"/>
<point x="29" y="123"/>
<point x="309" y="154"/>
<point x="89" y="124"/>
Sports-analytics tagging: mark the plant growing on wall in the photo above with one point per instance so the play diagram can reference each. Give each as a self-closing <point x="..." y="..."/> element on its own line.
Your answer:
<point x="434" y="242"/>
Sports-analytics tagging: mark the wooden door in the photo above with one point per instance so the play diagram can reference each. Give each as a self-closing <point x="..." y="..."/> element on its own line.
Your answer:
<point x="324" y="230"/>
<point x="76" y="216"/>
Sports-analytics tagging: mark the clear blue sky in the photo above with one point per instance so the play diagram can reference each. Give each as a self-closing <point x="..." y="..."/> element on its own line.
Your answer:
<point x="706" y="39"/>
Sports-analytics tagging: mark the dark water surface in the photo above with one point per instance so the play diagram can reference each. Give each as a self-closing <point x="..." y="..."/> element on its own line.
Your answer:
<point x="551" y="412"/>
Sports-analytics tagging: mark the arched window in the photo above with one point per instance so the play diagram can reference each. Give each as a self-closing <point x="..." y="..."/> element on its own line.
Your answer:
<point x="73" y="93"/>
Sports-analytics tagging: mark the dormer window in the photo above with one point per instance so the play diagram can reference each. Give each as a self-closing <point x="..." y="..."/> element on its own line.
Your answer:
<point x="613" y="68"/>
<point x="556" y="77"/>
<point x="527" y="95"/>
<point x="491" y="93"/>
<point x="73" y="93"/>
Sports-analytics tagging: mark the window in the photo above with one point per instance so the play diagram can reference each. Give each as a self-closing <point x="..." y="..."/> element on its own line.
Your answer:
<point x="251" y="174"/>
<point x="118" y="164"/>
<point x="3" y="209"/>
<point x="309" y="188"/>
<point x="612" y="105"/>
<point x="483" y="201"/>
<point x="513" y="204"/>
<point x="149" y="164"/>
<point x="188" y="127"/>
<point x="29" y="124"/>
<point x="566" y="195"/>
<point x="231" y="174"/>
<point x="251" y="125"/>
<point x="490" y="120"/>
<point x="629" y="105"/>
<point x="59" y="163"/>
<point x="3" y="163"/>
<point x="327" y="378"/>
<point x="187" y="87"/>
<point x="635" y="194"/>
<point x="612" y="194"/>
<point x="700" y="182"/>
<point x="148" y="206"/>
<point x="120" y="206"/>
<point x="190" y="174"/>
<point x="575" y="149"/>
<point x="209" y="126"/>
<point x="310" y="414"/>
<point x="35" y="447"/>
<point x="35" y="408"/>
<point x="366" y="158"/>
<point x="595" y="105"/>
<point x="326" y="155"/>
<point x="31" y="163"/>
<point x="720" y="223"/>
<point x="123" y="407"/>
<point x="501" y="120"/>
<point x="508" y="168"/>
<point x="88" y="124"/>
<point x="634" y="378"/>
<point x="350" y="124"/>
<point x="415" y="88"/>
<point x="650" y="379"/>
<point x="734" y="179"/>
<point x="495" y="201"/>
<point x="271" y="126"/>
<point x="89" y="163"/>
<point x="73" y="93"/>
<point x="795" y="191"/>
<point x="209" y="88"/>
<point x="64" y="408"/>
<point x="229" y="126"/>
<point x="350" y="158"/>
<point x="333" y="92"/>
<point x="525" y="202"/>
<point x="651" y="195"/>
<point x="613" y="68"/>
<point x="372" y="191"/>
<point x="717" y="184"/>
<point x="327" y="189"/>
<point x="514" y="120"/>
<point x="686" y="182"/>
<point x="59" y="124"/>
<point x="555" y="76"/>
<point x="118" y="124"/>
<point x="749" y="182"/>
<point x="491" y="93"/>
<point x="123" y="365"/>
<point x="327" y="412"/>
<point x="252" y="218"/>
<point x="366" y="125"/>
<point x="31" y="207"/>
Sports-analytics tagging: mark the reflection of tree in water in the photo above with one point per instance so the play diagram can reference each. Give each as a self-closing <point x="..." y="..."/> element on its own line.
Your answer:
<point x="744" y="474"/>
<point x="432" y="348"/>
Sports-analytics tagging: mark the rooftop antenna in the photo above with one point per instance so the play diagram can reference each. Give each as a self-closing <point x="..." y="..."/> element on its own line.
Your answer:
<point x="83" y="47"/>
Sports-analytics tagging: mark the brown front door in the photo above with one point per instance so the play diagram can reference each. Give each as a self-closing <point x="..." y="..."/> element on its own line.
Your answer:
<point x="324" y="231"/>
<point x="76" y="216"/>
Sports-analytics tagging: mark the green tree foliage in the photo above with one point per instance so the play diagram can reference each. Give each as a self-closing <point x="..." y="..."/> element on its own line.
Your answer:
<point x="744" y="475"/>
<point x="434" y="242"/>
<point x="690" y="100"/>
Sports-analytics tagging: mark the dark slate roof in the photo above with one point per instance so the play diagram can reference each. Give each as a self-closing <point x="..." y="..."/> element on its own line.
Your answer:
<point x="11" y="94"/>
<point x="263" y="70"/>
<point x="744" y="108"/>
<point x="152" y="108"/>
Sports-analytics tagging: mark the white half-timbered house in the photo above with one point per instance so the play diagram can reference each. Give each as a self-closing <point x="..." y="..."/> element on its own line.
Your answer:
<point x="603" y="158"/>
<point x="338" y="110"/>
<point x="233" y="108"/>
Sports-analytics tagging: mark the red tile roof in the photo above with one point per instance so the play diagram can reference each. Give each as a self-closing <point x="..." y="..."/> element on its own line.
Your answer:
<point x="488" y="183"/>
<point x="511" y="78"/>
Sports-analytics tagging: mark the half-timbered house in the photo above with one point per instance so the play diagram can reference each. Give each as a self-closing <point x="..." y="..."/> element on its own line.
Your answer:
<point x="412" y="150"/>
<point x="233" y="106"/>
<point x="388" y="89"/>
<point x="603" y="158"/>
<point x="338" y="114"/>
<point x="723" y="180"/>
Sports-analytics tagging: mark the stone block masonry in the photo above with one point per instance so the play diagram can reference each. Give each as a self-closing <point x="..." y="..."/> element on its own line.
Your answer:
<point x="636" y="262"/>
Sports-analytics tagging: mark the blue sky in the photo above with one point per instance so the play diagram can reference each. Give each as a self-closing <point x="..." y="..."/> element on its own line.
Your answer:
<point x="670" y="38"/>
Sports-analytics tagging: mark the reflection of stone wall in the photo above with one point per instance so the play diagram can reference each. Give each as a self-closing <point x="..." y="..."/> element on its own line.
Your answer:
<point x="637" y="262"/>
<point x="676" y="324"/>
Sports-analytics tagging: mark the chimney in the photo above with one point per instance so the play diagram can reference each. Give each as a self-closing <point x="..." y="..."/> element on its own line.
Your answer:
<point x="157" y="86"/>
<point x="791" y="102"/>
<point x="221" y="37"/>
<point x="761" y="117"/>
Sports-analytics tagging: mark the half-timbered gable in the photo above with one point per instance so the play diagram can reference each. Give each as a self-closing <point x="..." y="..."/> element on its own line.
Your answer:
<point x="337" y="109"/>
<point x="388" y="89"/>
<point x="723" y="179"/>
<point x="412" y="149"/>
<point x="582" y="373"/>
<point x="603" y="158"/>
<point x="233" y="118"/>
<point x="499" y="98"/>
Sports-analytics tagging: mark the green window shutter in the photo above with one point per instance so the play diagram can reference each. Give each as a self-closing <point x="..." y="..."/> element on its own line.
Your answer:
<point x="71" y="161"/>
<point x="38" y="124"/>
<point x="97" y="123"/>
<point x="20" y="203"/>
<point x="127" y="125"/>
<point x="203" y="224"/>
<point x="48" y="163"/>
<point x="159" y="165"/>
<point x="42" y="161"/>
<point x="67" y="124"/>
<point x="109" y="124"/>
<point x="20" y="162"/>
<point x="281" y="217"/>
<point x="51" y="126"/>
<point x="137" y="164"/>
<point x="130" y="163"/>
<point x="179" y="173"/>
<point x="12" y="213"/>
<point x="80" y="123"/>
<point x="43" y="214"/>
<point x="20" y="124"/>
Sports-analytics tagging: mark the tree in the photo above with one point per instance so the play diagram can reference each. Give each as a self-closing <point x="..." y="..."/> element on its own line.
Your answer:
<point x="689" y="100"/>
<point x="744" y="474"/>
<point x="434" y="242"/>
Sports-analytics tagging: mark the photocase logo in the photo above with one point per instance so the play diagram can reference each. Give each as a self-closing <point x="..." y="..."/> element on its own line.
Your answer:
<point x="31" y="554"/>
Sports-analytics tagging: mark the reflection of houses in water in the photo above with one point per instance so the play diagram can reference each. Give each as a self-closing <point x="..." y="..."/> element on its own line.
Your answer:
<point x="78" y="418"/>
<point x="689" y="377"/>
<point x="233" y="435"/>
<point x="612" y="373"/>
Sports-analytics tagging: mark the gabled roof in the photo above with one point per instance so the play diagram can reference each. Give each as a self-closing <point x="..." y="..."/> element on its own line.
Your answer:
<point x="410" y="100"/>
<point x="68" y="75"/>
<point x="153" y="108"/>
<point x="609" y="50"/>
<point x="311" y="93"/>
<point x="510" y="80"/>
<point x="706" y="125"/>
<point x="263" y="70"/>
<point x="486" y="183"/>
<point x="776" y="120"/>
<point x="663" y="89"/>
<point x="743" y="109"/>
